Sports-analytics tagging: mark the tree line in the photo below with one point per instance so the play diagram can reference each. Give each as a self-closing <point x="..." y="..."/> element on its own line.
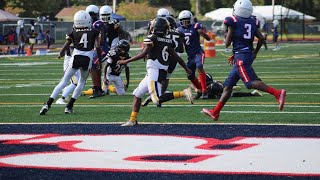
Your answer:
<point x="35" y="8"/>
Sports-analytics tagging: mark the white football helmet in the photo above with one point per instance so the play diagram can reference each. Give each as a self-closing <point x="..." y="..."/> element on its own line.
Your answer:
<point x="105" y="13"/>
<point x="20" y="23"/>
<point x="185" y="18"/>
<point x="275" y="22"/>
<point x="92" y="9"/>
<point x="81" y="19"/>
<point x="243" y="8"/>
<point x="162" y="12"/>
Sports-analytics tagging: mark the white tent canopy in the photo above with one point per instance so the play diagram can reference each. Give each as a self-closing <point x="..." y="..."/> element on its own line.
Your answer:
<point x="6" y="16"/>
<point x="265" y="11"/>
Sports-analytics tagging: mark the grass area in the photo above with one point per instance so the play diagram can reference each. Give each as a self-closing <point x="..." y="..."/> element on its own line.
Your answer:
<point x="27" y="82"/>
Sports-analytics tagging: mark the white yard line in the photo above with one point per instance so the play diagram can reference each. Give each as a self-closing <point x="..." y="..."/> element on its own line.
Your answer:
<point x="182" y="105"/>
<point x="209" y="123"/>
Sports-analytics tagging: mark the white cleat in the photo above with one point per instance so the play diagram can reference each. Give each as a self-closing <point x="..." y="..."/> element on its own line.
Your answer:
<point x="68" y="111"/>
<point x="44" y="109"/>
<point x="256" y="93"/>
<point x="61" y="101"/>
<point x="129" y="123"/>
<point x="188" y="94"/>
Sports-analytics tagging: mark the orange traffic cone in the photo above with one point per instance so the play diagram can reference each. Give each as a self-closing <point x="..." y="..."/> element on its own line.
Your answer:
<point x="29" y="53"/>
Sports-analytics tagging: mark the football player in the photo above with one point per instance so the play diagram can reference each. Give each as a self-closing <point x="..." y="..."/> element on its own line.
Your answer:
<point x="85" y="39"/>
<point x="113" y="26"/>
<point x="192" y="32"/>
<point x="74" y="80"/>
<point x="95" y="72"/>
<point x="177" y="38"/>
<point x="242" y="29"/>
<point x="275" y="34"/>
<point x="215" y="89"/>
<point x="113" y="70"/>
<point x="157" y="48"/>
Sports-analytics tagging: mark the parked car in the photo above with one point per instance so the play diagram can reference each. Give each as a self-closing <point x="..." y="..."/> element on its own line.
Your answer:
<point x="218" y="28"/>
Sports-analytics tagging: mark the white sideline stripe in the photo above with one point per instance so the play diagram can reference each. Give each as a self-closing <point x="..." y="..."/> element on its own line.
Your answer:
<point x="169" y="105"/>
<point x="184" y="84"/>
<point x="210" y="123"/>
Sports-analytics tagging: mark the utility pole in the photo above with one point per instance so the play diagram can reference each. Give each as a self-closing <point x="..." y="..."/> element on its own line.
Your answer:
<point x="114" y="4"/>
<point x="197" y="8"/>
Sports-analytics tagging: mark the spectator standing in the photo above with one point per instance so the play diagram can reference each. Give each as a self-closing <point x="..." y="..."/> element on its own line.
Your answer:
<point x="48" y="38"/>
<point x="21" y="42"/>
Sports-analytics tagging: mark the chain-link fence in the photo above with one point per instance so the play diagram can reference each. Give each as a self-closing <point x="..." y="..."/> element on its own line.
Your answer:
<point x="290" y="29"/>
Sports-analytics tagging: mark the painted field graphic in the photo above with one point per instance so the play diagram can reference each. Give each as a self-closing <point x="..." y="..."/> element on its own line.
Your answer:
<point x="217" y="151"/>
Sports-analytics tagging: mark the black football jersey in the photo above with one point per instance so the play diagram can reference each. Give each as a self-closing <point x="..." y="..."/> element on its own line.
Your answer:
<point x="177" y="38"/>
<point x="83" y="39"/>
<point x="113" y="58"/>
<point x="112" y="30"/>
<point x="160" y="48"/>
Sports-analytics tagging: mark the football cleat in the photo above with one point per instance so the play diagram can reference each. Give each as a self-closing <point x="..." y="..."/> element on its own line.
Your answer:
<point x="68" y="110"/>
<point x="87" y="92"/>
<point x="208" y="112"/>
<point x="97" y="93"/>
<point x="146" y="101"/>
<point x="204" y="95"/>
<point x="256" y="93"/>
<point x="236" y="88"/>
<point x="44" y="109"/>
<point x="198" y="95"/>
<point x="188" y="95"/>
<point x="61" y="101"/>
<point x="282" y="99"/>
<point x="129" y="123"/>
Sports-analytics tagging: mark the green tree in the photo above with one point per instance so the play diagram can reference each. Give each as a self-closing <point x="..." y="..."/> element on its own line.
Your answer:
<point x="3" y="4"/>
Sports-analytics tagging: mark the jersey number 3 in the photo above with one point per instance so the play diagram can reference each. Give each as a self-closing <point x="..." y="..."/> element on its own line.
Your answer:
<point x="84" y="40"/>
<point x="248" y="34"/>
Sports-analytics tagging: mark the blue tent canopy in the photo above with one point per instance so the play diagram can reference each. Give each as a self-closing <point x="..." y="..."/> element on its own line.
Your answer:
<point x="118" y="17"/>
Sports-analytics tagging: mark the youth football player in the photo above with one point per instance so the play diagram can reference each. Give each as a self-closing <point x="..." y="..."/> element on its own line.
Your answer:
<point x="95" y="72"/>
<point x="275" y="34"/>
<point x="192" y="32"/>
<point x="157" y="48"/>
<point x="177" y="38"/>
<point x="113" y="70"/>
<point x="85" y="39"/>
<point x="242" y="28"/>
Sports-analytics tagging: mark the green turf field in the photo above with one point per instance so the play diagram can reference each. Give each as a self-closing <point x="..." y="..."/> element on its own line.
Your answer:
<point x="27" y="82"/>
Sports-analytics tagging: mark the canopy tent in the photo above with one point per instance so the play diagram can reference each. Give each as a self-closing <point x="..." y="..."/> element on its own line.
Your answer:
<point x="264" y="11"/>
<point x="118" y="17"/>
<point x="6" y="16"/>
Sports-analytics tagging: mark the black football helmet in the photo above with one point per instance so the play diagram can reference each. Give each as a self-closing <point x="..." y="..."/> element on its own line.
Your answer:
<point x="172" y="22"/>
<point x="122" y="47"/>
<point x="209" y="79"/>
<point x="160" y="26"/>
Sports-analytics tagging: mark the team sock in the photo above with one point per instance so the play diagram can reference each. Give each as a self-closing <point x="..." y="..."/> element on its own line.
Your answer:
<point x="196" y="83"/>
<point x="50" y="101"/>
<point x="178" y="94"/>
<point x="71" y="102"/>
<point x="112" y="89"/>
<point x="203" y="81"/>
<point x="133" y="116"/>
<point x="218" y="108"/>
<point x="273" y="91"/>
